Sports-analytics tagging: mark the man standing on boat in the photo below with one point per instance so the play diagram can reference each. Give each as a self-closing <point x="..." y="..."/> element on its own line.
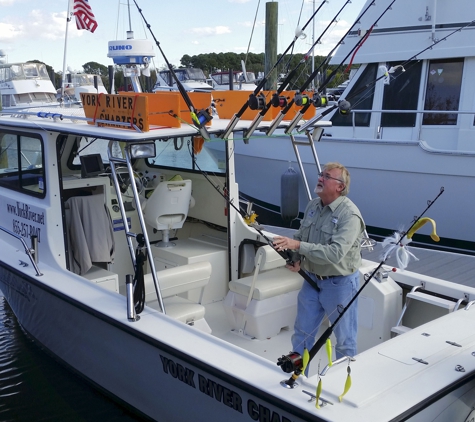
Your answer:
<point x="328" y="247"/>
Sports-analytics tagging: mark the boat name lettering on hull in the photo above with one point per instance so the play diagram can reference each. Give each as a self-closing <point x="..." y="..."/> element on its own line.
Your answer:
<point x="220" y="393"/>
<point x="178" y="371"/>
<point x="256" y="411"/>
<point x="260" y="413"/>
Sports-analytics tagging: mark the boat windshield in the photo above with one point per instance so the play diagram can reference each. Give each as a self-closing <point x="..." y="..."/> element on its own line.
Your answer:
<point x="171" y="153"/>
<point x="23" y="71"/>
<point x="82" y="79"/>
<point x="180" y="153"/>
<point x="196" y="74"/>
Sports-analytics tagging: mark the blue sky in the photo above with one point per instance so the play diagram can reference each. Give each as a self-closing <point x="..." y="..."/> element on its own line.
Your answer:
<point x="33" y="29"/>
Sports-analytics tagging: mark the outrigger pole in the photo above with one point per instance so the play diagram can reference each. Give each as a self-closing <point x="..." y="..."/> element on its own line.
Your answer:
<point x="293" y="361"/>
<point x="345" y="104"/>
<point x="254" y="102"/>
<point x="202" y="117"/>
<point x="234" y="121"/>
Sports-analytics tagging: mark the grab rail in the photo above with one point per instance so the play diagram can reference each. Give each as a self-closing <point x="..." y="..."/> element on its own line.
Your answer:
<point x="28" y="251"/>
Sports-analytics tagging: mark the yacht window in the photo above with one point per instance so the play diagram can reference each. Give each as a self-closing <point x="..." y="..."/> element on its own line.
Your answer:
<point x="360" y="98"/>
<point x="402" y="93"/>
<point x="178" y="153"/>
<point x="21" y="164"/>
<point x="443" y="88"/>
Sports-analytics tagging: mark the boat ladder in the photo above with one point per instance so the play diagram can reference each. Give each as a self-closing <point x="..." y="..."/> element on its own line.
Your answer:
<point x="426" y="297"/>
<point x="315" y="135"/>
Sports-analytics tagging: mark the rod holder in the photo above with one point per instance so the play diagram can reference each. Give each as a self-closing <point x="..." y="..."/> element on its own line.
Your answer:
<point x="293" y="123"/>
<point x="275" y="123"/>
<point x="252" y="128"/>
<point x="131" y="314"/>
<point x="34" y="248"/>
<point x="231" y="125"/>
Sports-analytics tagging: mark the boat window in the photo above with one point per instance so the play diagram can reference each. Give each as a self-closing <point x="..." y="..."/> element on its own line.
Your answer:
<point x="87" y="146"/>
<point x="402" y="93"/>
<point x="8" y="101"/>
<point x="361" y="98"/>
<point x="21" y="164"/>
<point x="178" y="153"/>
<point x="443" y="88"/>
<point x="31" y="71"/>
<point x="43" y="72"/>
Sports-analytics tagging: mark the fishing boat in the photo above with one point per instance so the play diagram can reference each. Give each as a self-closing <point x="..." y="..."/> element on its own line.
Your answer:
<point x="192" y="79"/>
<point x="409" y="128"/>
<point x="25" y="85"/>
<point x="241" y="80"/>
<point x="76" y="83"/>
<point x="126" y="256"/>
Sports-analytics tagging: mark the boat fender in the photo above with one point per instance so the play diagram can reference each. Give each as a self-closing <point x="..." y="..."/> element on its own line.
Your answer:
<point x="289" y="195"/>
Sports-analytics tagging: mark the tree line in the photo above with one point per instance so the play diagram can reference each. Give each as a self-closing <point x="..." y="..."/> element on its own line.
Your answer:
<point x="212" y="62"/>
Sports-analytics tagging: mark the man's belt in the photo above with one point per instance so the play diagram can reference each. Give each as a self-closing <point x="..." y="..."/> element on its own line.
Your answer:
<point x="324" y="277"/>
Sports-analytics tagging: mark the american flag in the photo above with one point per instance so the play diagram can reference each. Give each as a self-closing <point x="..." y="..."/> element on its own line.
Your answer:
<point x="84" y="17"/>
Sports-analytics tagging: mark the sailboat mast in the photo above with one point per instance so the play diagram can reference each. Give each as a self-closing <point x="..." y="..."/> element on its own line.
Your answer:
<point x="63" y="76"/>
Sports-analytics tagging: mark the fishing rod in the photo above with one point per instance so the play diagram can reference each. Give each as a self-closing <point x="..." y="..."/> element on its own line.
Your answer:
<point x="283" y="253"/>
<point x="199" y="118"/>
<point x="317" y="99"/>
<point x="293" y="361"/>
<point x="234" y="121"/>
<point x="345" y="106"/>
<point x="257" y="103"/>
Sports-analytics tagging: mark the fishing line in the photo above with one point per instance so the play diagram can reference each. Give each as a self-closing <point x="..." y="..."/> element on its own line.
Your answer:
<point x="199" y="118"/>
<point x="235" y="119"/>
<point x="317" y="100"/>
<point x="402" y="65"/>
<point x="253" y="100"/>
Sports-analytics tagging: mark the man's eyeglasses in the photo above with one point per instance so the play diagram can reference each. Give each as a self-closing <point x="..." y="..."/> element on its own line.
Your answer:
<point x="326" y="176"/>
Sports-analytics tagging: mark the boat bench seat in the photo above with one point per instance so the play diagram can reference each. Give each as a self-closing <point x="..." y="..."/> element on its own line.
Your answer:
<point x="260" y="305"/>
<point x="179" y="281"/>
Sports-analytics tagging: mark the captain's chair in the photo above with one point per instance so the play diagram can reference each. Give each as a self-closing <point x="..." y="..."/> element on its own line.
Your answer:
<point x="167" y="208"/>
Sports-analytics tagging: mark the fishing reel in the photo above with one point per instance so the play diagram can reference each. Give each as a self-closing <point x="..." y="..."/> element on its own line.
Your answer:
<point x="201" y="118"/>
<point x="279" y="100"/>
<point x="301" y="100"/>
<point x="257" y="102"/>
<point x="344" y="107"/>
<point x="319" y="101"/>
<point x="290" y="363"/>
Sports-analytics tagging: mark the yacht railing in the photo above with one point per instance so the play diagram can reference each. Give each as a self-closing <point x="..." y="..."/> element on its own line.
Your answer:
<point x="31" y="252"/>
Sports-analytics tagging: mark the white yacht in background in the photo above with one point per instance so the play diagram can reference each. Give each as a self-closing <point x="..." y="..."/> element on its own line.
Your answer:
<point x="77" y="83"/>
<point x="406" y="135"/>
<point x="25" y="85"/>
<point x="219" y="80"/>
<point x="192" y="79"/>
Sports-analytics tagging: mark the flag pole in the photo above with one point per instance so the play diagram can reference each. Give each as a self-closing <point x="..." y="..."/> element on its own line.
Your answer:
<point x="63" y="76"/>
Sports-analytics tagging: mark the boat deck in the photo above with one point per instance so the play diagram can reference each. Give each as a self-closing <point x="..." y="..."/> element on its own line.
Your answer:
<point x="454" y="267"/>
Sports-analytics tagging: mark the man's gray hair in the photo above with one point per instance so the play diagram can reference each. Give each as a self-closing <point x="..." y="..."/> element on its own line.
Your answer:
<point x="345" y="175"/>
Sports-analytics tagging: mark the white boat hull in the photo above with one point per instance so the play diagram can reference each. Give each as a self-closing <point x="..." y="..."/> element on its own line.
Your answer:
<point x="166" y="382"/>
<point x="388" y="181"/>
